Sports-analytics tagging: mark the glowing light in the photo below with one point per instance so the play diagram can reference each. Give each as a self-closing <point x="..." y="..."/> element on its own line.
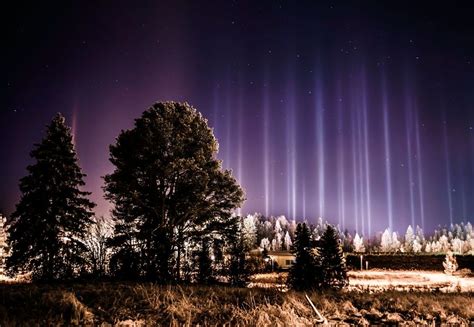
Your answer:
<point x="408" y="135"/>
<point x="367" y="156"/>
<point x="320" y="145"/>
<point x="340" y="164"/>
<point x="266" y="148"/>
<point x="420" y="170"/>
<point x="449" y="186"/>
<point x="388" y="169"/>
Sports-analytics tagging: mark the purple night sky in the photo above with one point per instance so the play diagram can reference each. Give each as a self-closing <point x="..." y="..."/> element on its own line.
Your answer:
<point x="360" y="113"/>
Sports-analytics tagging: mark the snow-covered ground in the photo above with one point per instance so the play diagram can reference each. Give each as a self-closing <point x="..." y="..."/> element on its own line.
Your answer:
<point x="379" y="280"/>
<point x="382" y="280"/>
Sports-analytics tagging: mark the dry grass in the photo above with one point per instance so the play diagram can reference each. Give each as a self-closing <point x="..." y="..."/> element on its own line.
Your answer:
<point x="144" y="304"/>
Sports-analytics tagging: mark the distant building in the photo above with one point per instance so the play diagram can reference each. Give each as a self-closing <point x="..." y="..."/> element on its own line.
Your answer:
<point x="282" y="259"/>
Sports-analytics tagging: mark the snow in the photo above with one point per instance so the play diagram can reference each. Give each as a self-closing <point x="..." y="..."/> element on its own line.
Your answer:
<point x="380" y="280"/>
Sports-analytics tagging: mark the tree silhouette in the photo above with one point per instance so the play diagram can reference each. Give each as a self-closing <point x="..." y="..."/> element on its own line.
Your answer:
<point x="331" y="260"/>
<point x="167" y="187"/>
<point x="53" y="214"/>
<point x="305" y="272"/>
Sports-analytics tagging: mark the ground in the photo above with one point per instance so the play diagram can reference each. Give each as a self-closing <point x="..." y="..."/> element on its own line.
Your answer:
<point x="384" y="280"/>
<point x="406" y="280"/>
<point x="145" y="304"/>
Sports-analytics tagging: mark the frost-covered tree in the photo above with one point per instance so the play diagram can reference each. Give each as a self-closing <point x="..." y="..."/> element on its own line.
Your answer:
<point x="4" y="249"/>
<point x="249" y="231"/>
<point x="428" y="247"/>
<point x="386" y="241"/>
<point x="457" y="245"/>
<point x="450" y="263"/>
<point x="265" y="244"/>
<point x="358" y="244"/>
<point x="417" y="246"/>
<point x="50" y="221"/>
<point x="409" y="238"/>
<point x="444" y="243"/>
<point x="288" y="242"/>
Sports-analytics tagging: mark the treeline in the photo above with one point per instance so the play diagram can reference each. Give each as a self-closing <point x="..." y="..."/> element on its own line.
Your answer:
<point x="172" y="202"/>
<point x="278" y="233"/>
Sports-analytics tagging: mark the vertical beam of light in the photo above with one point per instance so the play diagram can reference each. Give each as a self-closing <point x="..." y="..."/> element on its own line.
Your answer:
<point x="291" y="148"/>
<point x="368" y="191"/>
<point x="340" y="162"/>
<point x="266" y="146"/>
<point x="215" y="110"/>
<point x="228" y="124"/>
<point x="360" y="153"/>
<point x="463" y="202"/>
<point x="291" y="142"/>
<point x="304" y="199"/>
<point x="239" y="135"/>
<point x="355" y="170"/>
<point x="320" y="145"/>
<point x="448" y="170"/>
<point x="388" y="169"/>
<point x="419" y="164"/>
<point x="408" y="136"/>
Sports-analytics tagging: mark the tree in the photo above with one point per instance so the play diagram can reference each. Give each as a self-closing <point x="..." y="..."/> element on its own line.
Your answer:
<point x="204" y="262"/>
<point x="359" y="244"/>
<point x="304" y="274"/>
<point x="53" y="214"/>
<point x="409" y="239"/>
<point x="288" y="242"/>
<point x="167" y="187"/>
<point x="4" y="248"/>
<point x="332" y="263"/>
<point x="238" y="269"/>
<point x="96" y="241"/>
<point x="450" y="264"/>
<point x="386" y="242"/>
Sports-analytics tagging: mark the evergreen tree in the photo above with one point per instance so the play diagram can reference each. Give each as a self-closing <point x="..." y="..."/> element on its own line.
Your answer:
<point x="205" y="274"/>
<point x="305" y="272"/>
<point x="167" y="188"/>
<point x="53" y="214"/>
<point x="238" y="269"/>
<point x="332" y="261"/>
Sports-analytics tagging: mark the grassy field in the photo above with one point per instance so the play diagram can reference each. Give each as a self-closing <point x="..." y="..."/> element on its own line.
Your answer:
<point x="140" y="304"/>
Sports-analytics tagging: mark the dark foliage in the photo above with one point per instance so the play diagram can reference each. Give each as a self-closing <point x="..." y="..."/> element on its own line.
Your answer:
<point x="167" y="189"/>
<point x="331" y="260"/>
<point x="305" y="272"/>
<point x="50" y="222"/>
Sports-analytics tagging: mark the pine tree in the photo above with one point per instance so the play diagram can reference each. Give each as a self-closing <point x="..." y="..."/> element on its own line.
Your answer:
<point x="167" y="187"/>
<point x="332" y="261"/>
<point x="53" y="214"/>
<point x="305" y="272"/>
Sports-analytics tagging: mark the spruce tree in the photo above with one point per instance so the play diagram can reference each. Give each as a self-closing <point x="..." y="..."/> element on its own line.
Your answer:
<point x="304" y="274"/>
<point x="238" y="268"/>
<point x="52" y="217"/>
<point x="332" y="263"/>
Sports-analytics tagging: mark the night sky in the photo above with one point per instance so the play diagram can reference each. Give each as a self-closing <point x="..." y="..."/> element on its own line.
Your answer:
<point x="360" y="113"/>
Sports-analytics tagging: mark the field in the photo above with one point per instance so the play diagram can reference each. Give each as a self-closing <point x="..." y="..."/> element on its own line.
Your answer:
<point x="140" y="304"/>
<point x="407" y="280"/>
